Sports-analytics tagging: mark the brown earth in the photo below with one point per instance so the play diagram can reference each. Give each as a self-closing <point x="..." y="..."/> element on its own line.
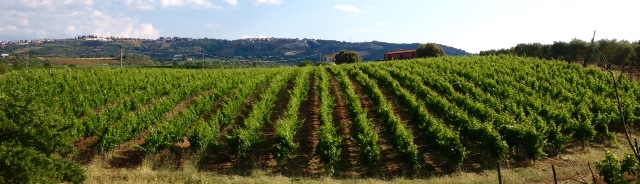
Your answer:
<point x="82" y="62"/>
<point x="390" y="162"/>
<point x="349" y="168"/>
<point x="307" y="160"/>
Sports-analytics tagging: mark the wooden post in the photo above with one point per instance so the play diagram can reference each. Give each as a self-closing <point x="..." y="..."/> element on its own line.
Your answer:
<point x="595" y="181"/>
<point x="499" y="174"/>
<point x="121" y="53"/>
<point x="555" y="177"/>
<point x="635" y="146"/>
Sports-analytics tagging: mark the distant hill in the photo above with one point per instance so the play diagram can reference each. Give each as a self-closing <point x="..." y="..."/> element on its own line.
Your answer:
<point x="280" y="50"/>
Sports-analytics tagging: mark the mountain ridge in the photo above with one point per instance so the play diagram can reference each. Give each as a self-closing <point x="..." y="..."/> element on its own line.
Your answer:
<point x="164" y="49"/>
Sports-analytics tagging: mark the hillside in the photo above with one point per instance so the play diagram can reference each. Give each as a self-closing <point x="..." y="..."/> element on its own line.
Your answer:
<point x="281" y="50"/>
<point x="412" y="118"/>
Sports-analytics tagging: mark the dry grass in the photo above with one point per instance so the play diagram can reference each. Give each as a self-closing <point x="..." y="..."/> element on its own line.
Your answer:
<point x="149" y="171"/>
<point x="81" y="62"/>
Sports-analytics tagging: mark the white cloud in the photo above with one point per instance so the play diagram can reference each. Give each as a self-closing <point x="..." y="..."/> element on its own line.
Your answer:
<point x="67" y="19"/>
<point x="380" y="23"/>
<point x="232" y="2"/>
<point x="273" y="2"/>
<point x="347" y="8"/>
<point x="212" y="25"/>
<point x="145" y="30"/>
<point x="140" y="4"/>
<point x="191" y="3"/>
<point x="8" y="28"/>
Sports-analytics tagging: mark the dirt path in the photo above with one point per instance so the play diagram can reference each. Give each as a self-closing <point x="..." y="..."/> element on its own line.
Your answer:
<point x="223" y="159"/>
<point x="349" y="168"/>
<point x="87" y="149"/>
<point x="126" y="155"/>
<point x="389" y="161"/>
<point x="262" y="154"/>
<point x="308" y="161"/>
<point x="412" y="125"/>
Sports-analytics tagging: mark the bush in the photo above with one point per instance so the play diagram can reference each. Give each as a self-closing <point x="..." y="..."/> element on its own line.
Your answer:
<point x="3" y="69"/>
<point x="630" y="164"/>
<point x="31" y="134"/>
<point x="610" y="168"/>
<point x="47" y="63"/>
<point x="28" y="165"/>
<point x="305" y="63"/>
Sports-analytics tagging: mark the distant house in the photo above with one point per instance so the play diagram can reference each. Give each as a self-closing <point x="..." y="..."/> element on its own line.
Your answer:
<point x="404" y="54"/>
<point x="329" y="58"/>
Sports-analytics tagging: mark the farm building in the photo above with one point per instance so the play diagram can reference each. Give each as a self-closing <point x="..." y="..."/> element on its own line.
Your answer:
<point x="329" y="58"/>
<point x="404" y="54"/>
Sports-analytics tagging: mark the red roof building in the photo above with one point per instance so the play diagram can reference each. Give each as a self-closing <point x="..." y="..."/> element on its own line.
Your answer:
<point x="404" y="54"/>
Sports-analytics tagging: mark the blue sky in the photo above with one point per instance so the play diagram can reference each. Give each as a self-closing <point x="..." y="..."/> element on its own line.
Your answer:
<point x="465" y="24"/>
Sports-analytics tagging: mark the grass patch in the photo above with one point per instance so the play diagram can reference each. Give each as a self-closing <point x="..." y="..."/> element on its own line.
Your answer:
<point x="161" y="168"/>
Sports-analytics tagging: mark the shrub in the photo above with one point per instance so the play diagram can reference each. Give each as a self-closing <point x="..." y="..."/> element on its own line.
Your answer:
<point x="305" y="63"/>
<point x="3" y="69"/>
<point x="610" y="168"/>
<point x="31" y="134"/>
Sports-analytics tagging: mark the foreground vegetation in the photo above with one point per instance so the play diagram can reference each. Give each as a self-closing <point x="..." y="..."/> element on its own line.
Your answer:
<point x="406" y="118"/>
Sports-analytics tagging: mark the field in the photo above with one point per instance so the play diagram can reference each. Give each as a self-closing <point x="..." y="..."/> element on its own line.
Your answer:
<point x="424" y="118"/>
<point x="81" y="62"/>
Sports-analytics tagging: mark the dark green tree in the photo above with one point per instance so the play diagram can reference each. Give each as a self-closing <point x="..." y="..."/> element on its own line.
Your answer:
<point x="305" y="63"/>
<point x="577" y="51"/>
<point x="347" y="56"/>
<point x="35" y="142"/>
<point x="624" y="53"/>
<point x="529" y="49"/>
<point x="636" y="58"/>
<point x="429" y="50"/>
<point x="559" y="50"/>
<point x="617" y="52"/>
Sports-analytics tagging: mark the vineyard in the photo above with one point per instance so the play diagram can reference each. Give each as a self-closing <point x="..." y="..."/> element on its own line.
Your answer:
<point x="387" y="119"/>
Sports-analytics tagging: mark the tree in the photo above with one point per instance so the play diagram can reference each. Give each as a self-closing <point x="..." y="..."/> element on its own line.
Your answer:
<point x="347" y="56"/>
<point x="577" y="51"/>
<point x="35" y="142"/>
<point x="624" y="53"/>
<point x="530" y="50"/>
<point x="305" y="63"/>
<point x="636" y="58"/>
<point x="617" y="52"/>
<point x="559" y="50"/>
<point x="429" y="50"/>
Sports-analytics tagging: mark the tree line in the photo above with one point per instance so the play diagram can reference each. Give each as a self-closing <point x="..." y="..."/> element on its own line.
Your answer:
<point x="619" y="52"/>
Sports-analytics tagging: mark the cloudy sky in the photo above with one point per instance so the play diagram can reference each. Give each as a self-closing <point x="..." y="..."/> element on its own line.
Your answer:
<point x="467" y="24"/>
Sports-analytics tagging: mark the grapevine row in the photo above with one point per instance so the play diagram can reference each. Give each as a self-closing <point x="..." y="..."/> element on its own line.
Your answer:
<point x="328" y="146"/>
<point x="289" y="124"/>
<point x="247" y="136"/>
<point x="366" y="136"/>
<point x="484" y="133"/>
<point x="447" y="141"/>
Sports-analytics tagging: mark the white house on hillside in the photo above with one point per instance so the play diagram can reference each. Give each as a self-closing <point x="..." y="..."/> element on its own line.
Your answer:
<point x="329" y="58"/>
